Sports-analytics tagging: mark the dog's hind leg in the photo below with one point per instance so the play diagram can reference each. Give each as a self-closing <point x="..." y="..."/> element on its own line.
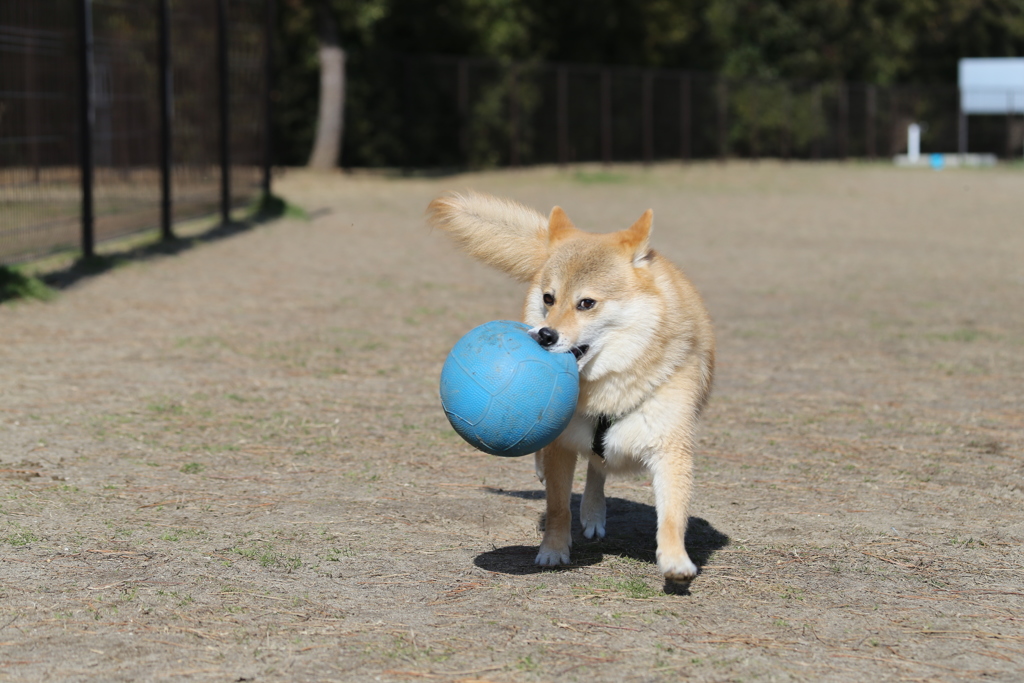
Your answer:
<point x="592" y="507"/>
<point x="558" y="465"/>
<point x="673" y="481"/>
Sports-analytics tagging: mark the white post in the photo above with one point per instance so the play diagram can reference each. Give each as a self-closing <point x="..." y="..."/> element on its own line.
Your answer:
<point x="913" y="143"/>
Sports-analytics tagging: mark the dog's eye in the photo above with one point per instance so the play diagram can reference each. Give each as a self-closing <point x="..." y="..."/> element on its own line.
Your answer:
<point x="549" y="300"/>
<point x="586" y="304"/>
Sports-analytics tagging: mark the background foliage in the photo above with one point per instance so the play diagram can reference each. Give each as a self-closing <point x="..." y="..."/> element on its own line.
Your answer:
<point x="867" y="41"/>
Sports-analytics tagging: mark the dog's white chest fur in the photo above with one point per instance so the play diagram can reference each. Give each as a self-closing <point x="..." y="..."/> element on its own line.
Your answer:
<point x="624" y="442"/>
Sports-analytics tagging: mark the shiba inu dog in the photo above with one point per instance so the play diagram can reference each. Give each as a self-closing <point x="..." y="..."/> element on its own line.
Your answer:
<point x="644" y="346"/>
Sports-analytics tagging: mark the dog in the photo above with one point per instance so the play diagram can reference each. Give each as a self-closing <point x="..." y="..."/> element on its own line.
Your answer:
<point x="644" y="346"/>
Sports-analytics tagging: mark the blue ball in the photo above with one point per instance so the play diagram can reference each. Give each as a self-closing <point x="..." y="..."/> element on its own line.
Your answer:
<point x="504" y="393"/>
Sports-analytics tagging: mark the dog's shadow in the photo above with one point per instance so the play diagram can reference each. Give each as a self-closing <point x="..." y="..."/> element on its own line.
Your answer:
<point x="632" y="531"/>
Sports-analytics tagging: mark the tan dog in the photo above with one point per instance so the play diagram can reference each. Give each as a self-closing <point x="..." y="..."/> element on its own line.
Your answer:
<point x="644" y="346"/>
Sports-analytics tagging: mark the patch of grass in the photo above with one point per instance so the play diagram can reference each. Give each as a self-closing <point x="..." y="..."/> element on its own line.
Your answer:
<point x="19" y="537"/>
<point x="268" y="557"/>
<point x="179" y="534"/>
<point x="100" y="263"/>
<point x="270" y="206"/>
<point x="335" y="554"/>
<point x="595" y="177"/>
<point x="791" y="593"/>
<point x="971" y="542"/>
<point x="964" y="335"/>
<point x="15" y="284"/>
<point x="637" y="588"/>
<point x="220" y="448"/>
<point x="247" y="553"/>
<point x="527" y="663"/>
<point x="192" y="468"/>
<point x="169" y="407"/>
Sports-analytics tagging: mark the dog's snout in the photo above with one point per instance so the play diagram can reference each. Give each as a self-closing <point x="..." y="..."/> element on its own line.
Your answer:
<point x="546" y="336"/>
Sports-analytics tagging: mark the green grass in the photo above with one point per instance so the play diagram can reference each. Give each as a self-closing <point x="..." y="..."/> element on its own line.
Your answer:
<point x="961" y="335"/>
<point x="270" y="206"/>
<point x="599" y="177"/>
<point x="634" y="587"/>
<point x="192" y="468"/>
<point x="19" y="537"/>
<point x="179" y="534"/>
<point x="268" y="557"/>
<point x="15" y="284"/>
<point x="637" y="588"/>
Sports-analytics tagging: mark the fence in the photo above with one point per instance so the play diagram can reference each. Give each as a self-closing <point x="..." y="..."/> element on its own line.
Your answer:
<point x="430" y="111"/>
<point x="122" y="115"/>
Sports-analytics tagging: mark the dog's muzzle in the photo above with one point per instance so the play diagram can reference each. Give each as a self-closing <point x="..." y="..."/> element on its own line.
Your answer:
<point x="545" y="336"/>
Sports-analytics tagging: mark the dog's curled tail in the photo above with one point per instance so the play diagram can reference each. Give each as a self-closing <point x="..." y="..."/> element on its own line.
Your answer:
<point x="499" y="232"/>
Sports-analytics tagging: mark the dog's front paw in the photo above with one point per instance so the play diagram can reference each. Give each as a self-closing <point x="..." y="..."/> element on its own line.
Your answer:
<point x="678" y="569"/>
<point x="592" y="516"/>
<point x="548" y="557"/>
<point x="593" y="528"/>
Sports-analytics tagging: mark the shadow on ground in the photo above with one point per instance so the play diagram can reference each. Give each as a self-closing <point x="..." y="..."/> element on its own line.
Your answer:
<point x="632" y="531"/>
<point x="15" y="284"/>
<point x="269" y="209"/>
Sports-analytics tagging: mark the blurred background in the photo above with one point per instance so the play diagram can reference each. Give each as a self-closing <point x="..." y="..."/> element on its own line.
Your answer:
<point x="483" y="83"/>
<point x="117" y="116"/>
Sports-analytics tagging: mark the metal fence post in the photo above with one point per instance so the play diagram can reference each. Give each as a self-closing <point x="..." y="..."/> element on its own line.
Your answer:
<point x="164" y="22"/>
<point x="32" y="104"/>
<point x="224" y="103"/>
<point x="844" y="120"/>
<point x="895" y="137"/>
<point x="270" y="20"/>
<point x="1009" y="123"/>
<point x="647" y="96"/>
<point x="961" y="133"/>
<point x="786" y="134"/>
<point x="563" y="115"/>
<point x="606" y="116"/>
<point x="869" y="124"/>
<point x="513" y="105"/>
<point x="87" y="121"/>
<point x="723" y="120"/>
<point x="684" y="117"/>
<point x="462" y="74"/>
<point x="819" y="108"/>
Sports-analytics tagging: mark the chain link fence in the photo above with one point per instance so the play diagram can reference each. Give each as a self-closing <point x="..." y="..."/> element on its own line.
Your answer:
<point x="430" y="111"/>
<point x="123" y="115"/>
<point x="88" y="93"/>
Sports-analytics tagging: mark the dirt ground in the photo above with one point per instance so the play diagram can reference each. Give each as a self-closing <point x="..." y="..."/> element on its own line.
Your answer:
<point x="230" y="463"/>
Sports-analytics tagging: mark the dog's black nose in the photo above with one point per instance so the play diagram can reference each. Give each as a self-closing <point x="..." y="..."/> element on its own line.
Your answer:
<point x="546" y="336"/>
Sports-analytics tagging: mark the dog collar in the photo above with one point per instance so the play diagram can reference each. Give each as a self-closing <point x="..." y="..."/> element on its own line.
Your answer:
<point x="603" y="423"/>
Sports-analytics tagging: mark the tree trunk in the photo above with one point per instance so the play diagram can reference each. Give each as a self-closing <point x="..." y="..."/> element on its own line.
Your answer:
<point x="330" y="118"/>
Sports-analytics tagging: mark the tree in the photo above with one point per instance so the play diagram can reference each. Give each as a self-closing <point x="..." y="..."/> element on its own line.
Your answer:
<point x="331" y="113"/>
<point x="803" y="42"/>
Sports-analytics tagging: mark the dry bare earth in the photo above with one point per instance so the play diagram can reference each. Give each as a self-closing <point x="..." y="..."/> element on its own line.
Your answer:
<point x="231" y="464"/>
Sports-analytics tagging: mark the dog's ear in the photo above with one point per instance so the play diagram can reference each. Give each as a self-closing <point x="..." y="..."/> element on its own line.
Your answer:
<point x="559" y="226"/>
<point x="637" y="239"/>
